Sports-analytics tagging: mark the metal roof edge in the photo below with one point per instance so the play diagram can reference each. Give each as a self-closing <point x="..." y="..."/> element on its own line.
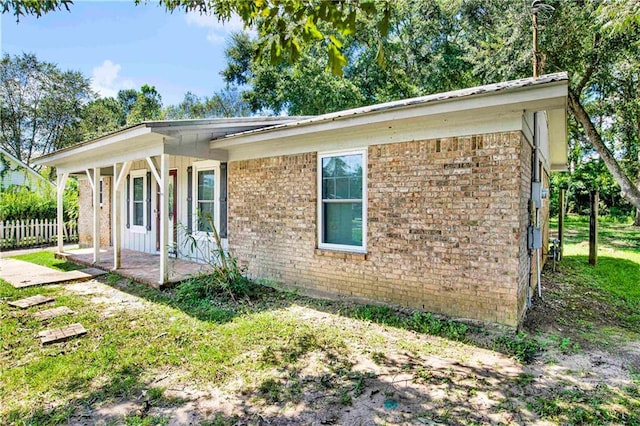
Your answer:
<point x="493" y="88"/>
<point x="176" y="124"/>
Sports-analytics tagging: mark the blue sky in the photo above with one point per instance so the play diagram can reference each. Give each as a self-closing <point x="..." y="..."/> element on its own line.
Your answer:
<point x="120" y="45"/>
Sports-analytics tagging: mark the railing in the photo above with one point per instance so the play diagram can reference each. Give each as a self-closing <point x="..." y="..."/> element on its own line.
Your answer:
<point x="34" y="232"/>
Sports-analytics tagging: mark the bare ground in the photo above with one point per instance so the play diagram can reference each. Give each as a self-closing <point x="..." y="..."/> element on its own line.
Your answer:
<point x="393" y="376"/>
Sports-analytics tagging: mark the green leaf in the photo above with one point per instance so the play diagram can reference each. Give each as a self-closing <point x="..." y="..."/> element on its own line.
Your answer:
<point x="311" y="29"/>
<point x="336" y="59"/>
<point x="350" y="24"/>
<point x="380" y="59"/>
<point x="337" y="43"/>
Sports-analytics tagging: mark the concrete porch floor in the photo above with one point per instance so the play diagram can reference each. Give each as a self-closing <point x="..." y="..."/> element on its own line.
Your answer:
<point x="139" y="266"/>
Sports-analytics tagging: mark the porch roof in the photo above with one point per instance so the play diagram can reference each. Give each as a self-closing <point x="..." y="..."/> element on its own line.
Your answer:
<point x="150" y="138"/>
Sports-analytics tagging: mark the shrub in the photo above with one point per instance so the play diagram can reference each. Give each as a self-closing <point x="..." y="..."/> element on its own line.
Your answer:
<point x="226" y="277"/>
<point x="20" y="203"/>
<point x="521" y="346"/>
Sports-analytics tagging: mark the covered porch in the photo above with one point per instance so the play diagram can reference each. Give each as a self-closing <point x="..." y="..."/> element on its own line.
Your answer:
<point x="136" y="265"/>
<point x="157" y="171"/>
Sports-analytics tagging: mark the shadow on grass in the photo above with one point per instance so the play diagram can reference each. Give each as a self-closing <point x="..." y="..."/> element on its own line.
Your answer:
<point x="413" y="390"/>
<point x="441" y="393"/>
<point x="594" y="306"/>
<point x="222" y="309"/>
<point x="123" y="384"/>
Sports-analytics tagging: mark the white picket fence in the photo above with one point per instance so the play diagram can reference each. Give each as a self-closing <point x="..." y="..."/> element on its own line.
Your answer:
<point x="30" y="233"/>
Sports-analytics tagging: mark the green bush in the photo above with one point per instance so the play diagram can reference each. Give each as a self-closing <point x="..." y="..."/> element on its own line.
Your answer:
<point x="20" y="203"/>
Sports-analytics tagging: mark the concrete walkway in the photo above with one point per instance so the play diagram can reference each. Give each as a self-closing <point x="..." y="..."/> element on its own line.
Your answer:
<point x="22" y="274"/>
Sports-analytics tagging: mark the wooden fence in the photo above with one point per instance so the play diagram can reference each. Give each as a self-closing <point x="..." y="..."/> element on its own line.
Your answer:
<point x="31" y="233"/>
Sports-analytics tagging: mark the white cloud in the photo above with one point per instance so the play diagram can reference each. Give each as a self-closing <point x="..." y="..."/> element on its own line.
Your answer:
<point x="217" y="29"/>
<point x="106" y="79"/>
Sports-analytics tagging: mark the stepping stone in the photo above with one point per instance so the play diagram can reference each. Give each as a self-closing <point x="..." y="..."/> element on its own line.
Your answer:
<point x="52" y="313"/>
<point x="28" y="302"/>
<point x="55" y="335"/>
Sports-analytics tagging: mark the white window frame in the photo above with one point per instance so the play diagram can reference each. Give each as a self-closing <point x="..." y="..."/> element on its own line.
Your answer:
<point x="139" y="229"/>
<point x="201" y="166"/>
<point x="365" y="166"/>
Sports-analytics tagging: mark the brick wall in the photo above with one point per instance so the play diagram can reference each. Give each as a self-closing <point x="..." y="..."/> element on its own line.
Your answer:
<point x="444" y="226"/>
<point x="85" y="213"/>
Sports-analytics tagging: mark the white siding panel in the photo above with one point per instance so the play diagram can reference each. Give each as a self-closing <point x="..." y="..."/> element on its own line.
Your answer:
<point x="146" y="242"/>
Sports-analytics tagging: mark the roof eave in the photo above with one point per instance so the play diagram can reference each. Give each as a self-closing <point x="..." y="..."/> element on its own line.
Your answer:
<point x="388" y="109"/>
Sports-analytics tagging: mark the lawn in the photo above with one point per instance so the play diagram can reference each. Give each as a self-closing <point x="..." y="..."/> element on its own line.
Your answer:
<point x="46" y="258"/>
<point x="151" y="357"/>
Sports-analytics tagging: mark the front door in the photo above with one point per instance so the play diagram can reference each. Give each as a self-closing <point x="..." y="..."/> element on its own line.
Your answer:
<point x="172" y="190"/>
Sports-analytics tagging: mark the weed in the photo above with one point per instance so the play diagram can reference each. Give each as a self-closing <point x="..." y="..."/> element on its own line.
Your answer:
<point x="155" y="394"/>
<point x="112" y="279"/>
<point x="220" y="419"/>
<point x="143" y="420"/>
<point x="521" y="346"/>
<point x="424" y="374"/>
<point x="271" y="390"/>
<point x="424" y="322"/>
<point x="524" y="379"/>
<point x="225" y="275"/>
<point x="379" y="358"/>
<point x="345" y="397"/>
<point x="566" y="347"/>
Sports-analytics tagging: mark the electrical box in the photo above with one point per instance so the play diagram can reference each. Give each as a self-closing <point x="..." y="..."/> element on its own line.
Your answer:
<point x="538" y="193"/>
<point x="534" y="238"/>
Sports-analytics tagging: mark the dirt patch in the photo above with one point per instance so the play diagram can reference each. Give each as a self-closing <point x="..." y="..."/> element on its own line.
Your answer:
<point x="380" y="374"/>
<point x="108" y="299"/>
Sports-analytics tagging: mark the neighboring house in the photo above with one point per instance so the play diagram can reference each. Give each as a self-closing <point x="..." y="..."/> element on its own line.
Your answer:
<point x="14" y="172"/>
<point x="435" y="203"/>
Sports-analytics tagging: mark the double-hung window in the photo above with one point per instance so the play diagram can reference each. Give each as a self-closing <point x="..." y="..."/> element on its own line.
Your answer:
<point x="342" y="200"/>
<point x="138" y="205"/>
<point x="205" y="199"/>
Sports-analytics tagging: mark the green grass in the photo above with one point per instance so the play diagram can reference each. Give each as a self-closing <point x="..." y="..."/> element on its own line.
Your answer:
<point x="614" y="282"/>
<point x="47" y="258"/>
<point x="261" y="344"/>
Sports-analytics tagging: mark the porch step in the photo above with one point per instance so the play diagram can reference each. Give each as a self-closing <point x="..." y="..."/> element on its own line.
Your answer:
<point x="61" y="334"/>
<point x="28" y="302"/>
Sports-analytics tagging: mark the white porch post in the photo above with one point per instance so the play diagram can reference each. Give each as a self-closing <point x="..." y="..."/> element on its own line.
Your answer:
<point x="116" y="214"/>
<point x="62" y="181"/>
<point x="96" y="215"/>
<point x="115" y="219"/>
<point x="164" y="218"/>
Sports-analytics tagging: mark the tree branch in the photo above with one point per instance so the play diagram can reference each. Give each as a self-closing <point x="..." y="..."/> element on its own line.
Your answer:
<point x="627" y="189"/>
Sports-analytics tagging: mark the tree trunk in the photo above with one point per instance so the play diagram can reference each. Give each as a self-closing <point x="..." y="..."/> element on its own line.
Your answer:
<point x="637" y="221"/>
<point x="627" y="189"/>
